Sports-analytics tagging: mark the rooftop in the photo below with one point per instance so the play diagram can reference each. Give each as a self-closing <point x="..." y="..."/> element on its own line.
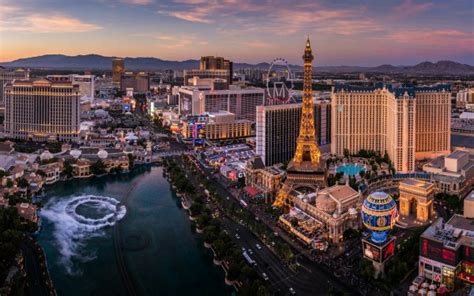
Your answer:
<point x="457" y="154"/>
<point x="398" y="91"/>
<point x="452" y="234"/>
<point x="340" y="192"/>
<point x="417" y="183"/>
<point x="460" y="222"/>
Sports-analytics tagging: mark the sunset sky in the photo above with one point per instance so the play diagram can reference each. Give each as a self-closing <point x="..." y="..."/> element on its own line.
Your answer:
<point x="364" y="32"/>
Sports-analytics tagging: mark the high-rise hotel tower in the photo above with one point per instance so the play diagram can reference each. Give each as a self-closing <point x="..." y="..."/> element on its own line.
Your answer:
<point x="304" y="172"/>
<point x="408" y="123"/>
<point x="42" y="110"/>
<point x="277" y="129"/>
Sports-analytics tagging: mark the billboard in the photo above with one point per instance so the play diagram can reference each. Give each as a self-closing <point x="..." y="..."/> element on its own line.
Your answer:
<point x="436" y="251"/>
<point x="378" y="253"/>
<point x="198" y="134"/>
<point x="371" y="251"/>
<point x="388" y="250"/>
<point x="468" y="253"/>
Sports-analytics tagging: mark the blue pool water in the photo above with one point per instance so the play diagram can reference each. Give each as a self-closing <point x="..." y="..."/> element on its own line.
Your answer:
<point x="350" y="169"/>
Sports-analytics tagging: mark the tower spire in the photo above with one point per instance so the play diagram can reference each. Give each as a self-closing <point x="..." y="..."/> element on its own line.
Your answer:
<point x="307" y="149"/>
<point x="304" y="171"/>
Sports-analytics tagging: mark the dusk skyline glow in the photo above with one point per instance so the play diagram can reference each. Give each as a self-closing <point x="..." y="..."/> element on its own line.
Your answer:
<point x="365" y="33"/>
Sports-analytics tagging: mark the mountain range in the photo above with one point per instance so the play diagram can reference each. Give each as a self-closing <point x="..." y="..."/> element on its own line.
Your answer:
<point x="98" y="62"/>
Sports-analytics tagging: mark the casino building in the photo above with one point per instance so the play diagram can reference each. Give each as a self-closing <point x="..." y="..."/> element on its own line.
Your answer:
<point x="42" y="110"/>
<point x="408" y="123"/>
<point x="447" y="251"/>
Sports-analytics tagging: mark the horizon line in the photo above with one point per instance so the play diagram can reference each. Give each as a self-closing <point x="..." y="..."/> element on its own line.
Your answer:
<point x="250" y="63"/>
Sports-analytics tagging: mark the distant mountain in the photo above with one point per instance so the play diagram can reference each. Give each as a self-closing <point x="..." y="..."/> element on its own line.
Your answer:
<point x="98" y="62"/>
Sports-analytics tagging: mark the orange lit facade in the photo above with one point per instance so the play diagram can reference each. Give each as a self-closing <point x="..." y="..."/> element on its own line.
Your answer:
<point x="408" y="123"/>
<point x="118" y="68"/>
<point x="42" y="110"/>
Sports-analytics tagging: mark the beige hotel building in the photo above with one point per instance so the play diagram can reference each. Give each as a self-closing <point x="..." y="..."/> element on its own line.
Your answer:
<point x="42" y="110"/>
<point x="409" y="123"/>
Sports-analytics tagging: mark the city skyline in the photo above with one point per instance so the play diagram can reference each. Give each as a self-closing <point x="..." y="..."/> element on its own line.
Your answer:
<point x="395" y="32"/>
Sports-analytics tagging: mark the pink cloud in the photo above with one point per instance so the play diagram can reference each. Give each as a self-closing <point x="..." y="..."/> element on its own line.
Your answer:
<point x="432" y="37"/>
<point x="39" y="23"/>
<point x="408" y="9"/>
<point x="137" y="2"/>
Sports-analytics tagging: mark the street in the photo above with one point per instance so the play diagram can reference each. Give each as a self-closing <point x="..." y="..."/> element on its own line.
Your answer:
<point x="310" y="279"/>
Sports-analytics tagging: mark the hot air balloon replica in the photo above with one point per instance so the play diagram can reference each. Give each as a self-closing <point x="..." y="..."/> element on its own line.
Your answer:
<point x="379" y="214"/>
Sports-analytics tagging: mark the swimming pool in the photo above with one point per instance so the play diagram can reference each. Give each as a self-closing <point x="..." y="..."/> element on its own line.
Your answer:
<point x="350" y="169"/>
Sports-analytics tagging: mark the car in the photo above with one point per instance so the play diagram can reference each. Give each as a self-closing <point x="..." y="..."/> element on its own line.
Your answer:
<point x="250" y="252"/>
<point x="292" y="291"/>
<point x="265" y="276"/>
<point x="237" y="236"/>
<point x="258" y="246"/>
<point x="243" y="249"/>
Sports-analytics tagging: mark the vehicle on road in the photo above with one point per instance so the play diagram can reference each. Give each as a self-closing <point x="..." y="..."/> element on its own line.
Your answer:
<point x="249" y="259"/>
<point x="265" y="276"/>
<point x="292" y="291"/>
<point x="237" y="236"/>
<point x="258" y="246"/>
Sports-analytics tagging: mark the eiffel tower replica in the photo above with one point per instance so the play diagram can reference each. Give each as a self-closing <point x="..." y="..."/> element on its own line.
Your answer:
<point x="305" y="173"/>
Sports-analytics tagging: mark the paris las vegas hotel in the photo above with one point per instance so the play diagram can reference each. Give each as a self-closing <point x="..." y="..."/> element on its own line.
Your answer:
<point x="409" y="123"/>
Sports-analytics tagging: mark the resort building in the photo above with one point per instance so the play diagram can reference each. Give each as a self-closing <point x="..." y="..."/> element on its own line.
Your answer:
<point x="196" y="100"/>
<point x="82" y="168"/>
<point x="52" y="171"/>
<point x="336" y="208"/>
<point x="86" y="83"/>
<point x="118" y="67"/>
<point x="266" y="180"/>
<point x="139" y="82"/>
<point x="398" y="121"/>
<point x="42" y="110"/>
<point x="211" y="67"/>
<point x="121" y="162"/>
<point x="8" y="75"/>
<point x="447" y="251"/>
<point x="278" y="127"/>
<point x="464" y="97"/>
<point x="453" y="174"/>
<point x="216" y="126"/>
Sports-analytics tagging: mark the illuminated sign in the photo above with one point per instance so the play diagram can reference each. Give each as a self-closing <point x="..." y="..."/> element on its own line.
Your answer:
<point x="388" y="251"/>
<point x="371" y="252"/>
<point x="435" y="250"/>
<point x="468" y="253"/>
<point x="378" y="253"/>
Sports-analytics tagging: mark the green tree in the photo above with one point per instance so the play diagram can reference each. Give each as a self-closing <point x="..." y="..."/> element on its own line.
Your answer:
<point x="68" y="169"/>
<point x="41" y="173"/>
<point x="22" y="183"/>
<point x="98" y="167"/>
<point x="131" y="160"/>
<point x="346" y="152"/>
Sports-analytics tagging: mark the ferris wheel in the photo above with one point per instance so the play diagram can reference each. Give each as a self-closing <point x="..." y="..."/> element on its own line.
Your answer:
<point x="278" y="91"/>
